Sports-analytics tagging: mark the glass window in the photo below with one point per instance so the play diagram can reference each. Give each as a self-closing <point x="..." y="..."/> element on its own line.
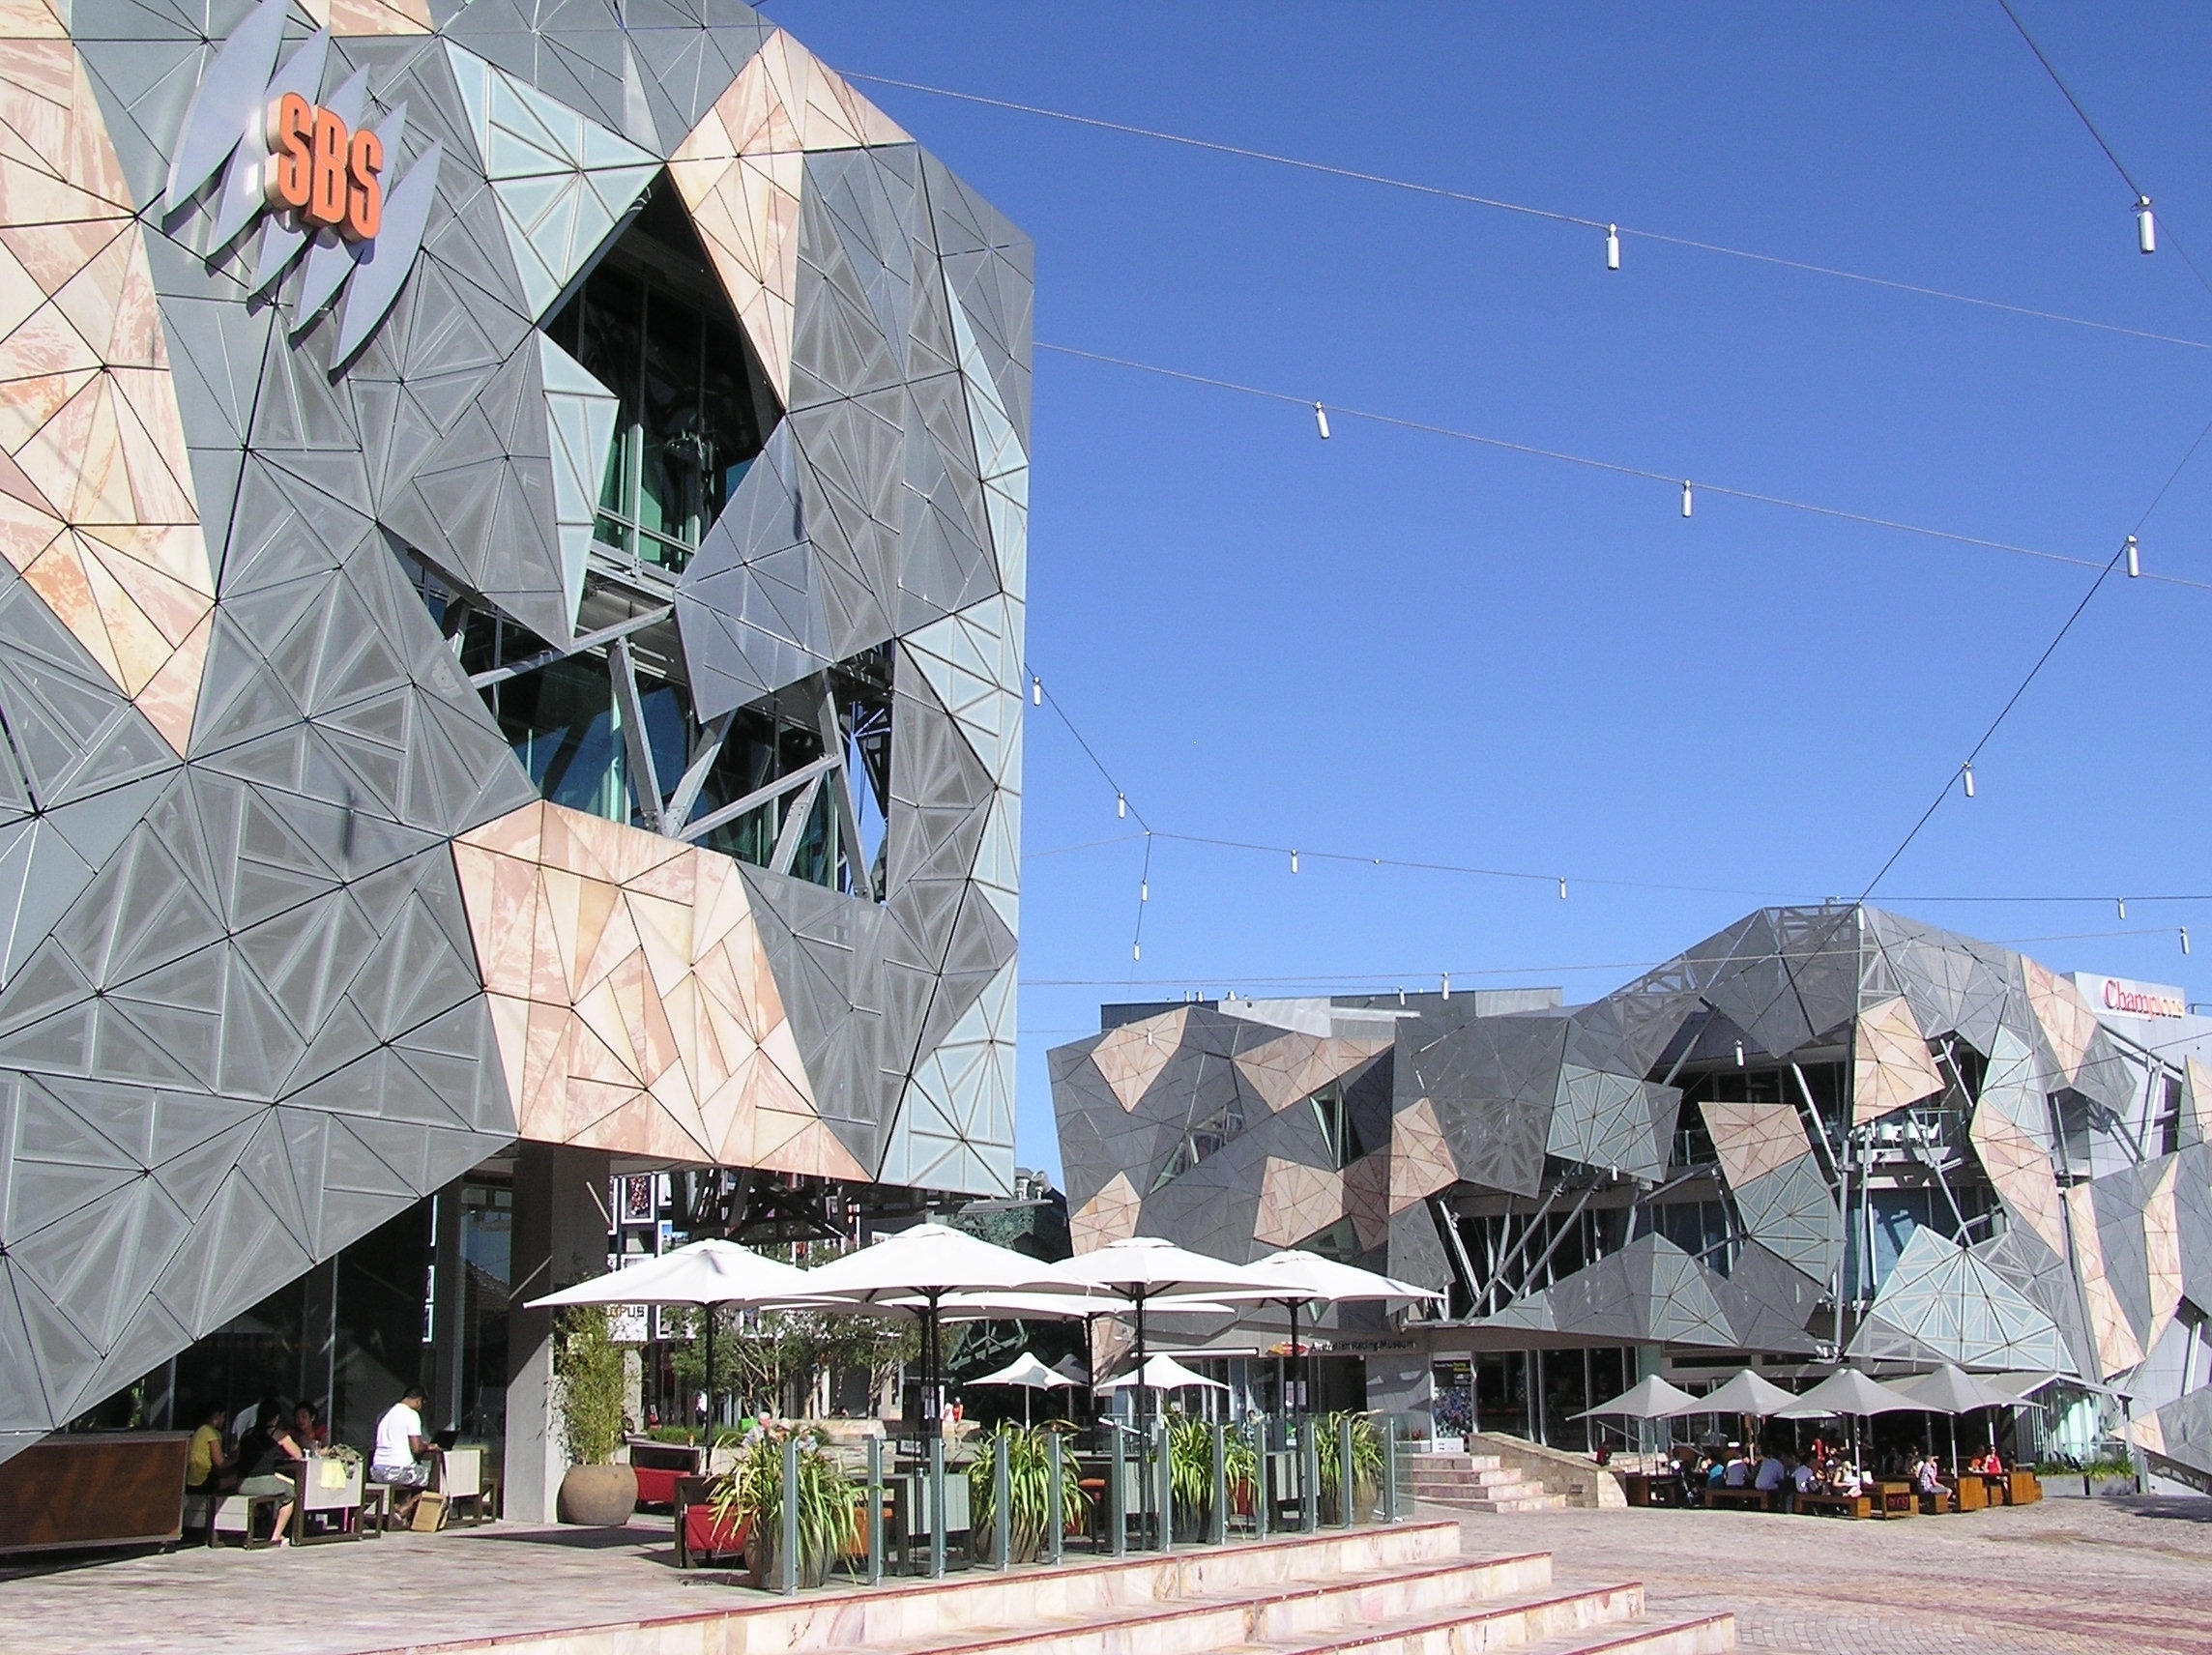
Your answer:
<point x="652" y="325"/>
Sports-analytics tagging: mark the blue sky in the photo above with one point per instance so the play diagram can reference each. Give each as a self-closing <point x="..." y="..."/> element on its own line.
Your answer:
<point x="1401" y="645"/>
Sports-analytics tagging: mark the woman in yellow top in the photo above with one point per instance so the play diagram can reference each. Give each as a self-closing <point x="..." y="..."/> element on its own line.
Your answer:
<point x="204" y="1463"/>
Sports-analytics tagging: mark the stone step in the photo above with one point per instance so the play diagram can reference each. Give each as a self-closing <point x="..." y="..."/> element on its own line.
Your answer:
<point x="1456" y="1462"/>
<point x="1529" y="1496"/>
<point x="1288" y="1618"/>
<point x="1608" y="1620"/>
<point x="1500" y="1478"/>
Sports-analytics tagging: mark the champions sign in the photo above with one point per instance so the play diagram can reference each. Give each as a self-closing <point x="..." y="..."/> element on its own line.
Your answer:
<point x="311" y="170"/>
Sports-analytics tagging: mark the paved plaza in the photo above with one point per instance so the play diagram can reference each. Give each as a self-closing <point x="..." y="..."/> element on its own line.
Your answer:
<point x="2065" y="1575"/>
<point x="2108" y="1576"/>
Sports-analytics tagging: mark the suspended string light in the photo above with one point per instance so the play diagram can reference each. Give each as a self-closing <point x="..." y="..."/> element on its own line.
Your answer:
<point x="2146" y="226"/>
<point x="1612" y="468"/>
<point x="2134" y="560"/>
<point x="1037" y="692"/>
<point x="1562" y="890"/>
<point x="2185" y="939"/>
<point x="1967" y="775"/>
<point x="1549" y="215"/>
<point x="1613" y="246"/>
<point x="1321" y="420"/>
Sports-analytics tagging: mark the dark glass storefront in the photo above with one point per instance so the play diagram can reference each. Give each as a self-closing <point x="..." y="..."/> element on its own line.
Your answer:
<point x="1536" y="1394"/>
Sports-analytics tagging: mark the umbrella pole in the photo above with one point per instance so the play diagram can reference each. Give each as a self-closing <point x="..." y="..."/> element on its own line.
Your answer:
<point x="708" y="1382"/>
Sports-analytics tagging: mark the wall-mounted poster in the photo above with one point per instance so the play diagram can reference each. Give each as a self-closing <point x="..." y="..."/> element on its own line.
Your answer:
<point x="628" y="1323"/>
<point x="637" y="1199"/>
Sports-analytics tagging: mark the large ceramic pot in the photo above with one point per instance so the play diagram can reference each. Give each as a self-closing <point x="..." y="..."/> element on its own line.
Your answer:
<point x="598" y="1497"/>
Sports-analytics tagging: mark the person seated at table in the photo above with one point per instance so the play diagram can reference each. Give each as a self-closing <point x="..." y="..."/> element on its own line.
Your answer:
<point x="1738" y="1473"/>
<point x="1843" y="1477"/>
<point x="308" y="1430"/>
<point x="1987" y="1463"/>
<point x="1928" y="1476"/>
<point x="1802" y="1481"/>
<point x="402" y="1453"/>
<point x="1770" y="1475"/>
<point x="207" y="1468"/>
<point x="262" y="1455"/>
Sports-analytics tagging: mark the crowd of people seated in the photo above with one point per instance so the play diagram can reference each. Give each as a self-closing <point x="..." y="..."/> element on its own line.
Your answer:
<point x="258" y="1450"/>
<point x="1787" y="1477"/>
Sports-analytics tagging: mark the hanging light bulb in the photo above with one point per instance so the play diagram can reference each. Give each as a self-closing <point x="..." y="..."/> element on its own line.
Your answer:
<point x="2134" y="560"/>
<point x="2146" y="226"/>
<point x="1562" y="890"/>
<point x="2185" y="939"/>
<point x="1685" y="497"/>
<point x="1448" y="985"/>
<point x="1321" y="420"/>
<point x="2123" y="901"/>
<point x="1120" y="805"/>
<point x="1293" y="861"/>
<point x="1740" y="1053"/>
<point x="1613" y="246"/>
<point x="1136" y="950"/>
<point x="1143" y="890"/>
<point x="1967" y="775"/>
<point x="1037" y="691"/>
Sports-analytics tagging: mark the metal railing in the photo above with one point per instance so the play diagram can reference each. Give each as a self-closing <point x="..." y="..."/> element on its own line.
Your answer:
<point x="922" y="1507"/>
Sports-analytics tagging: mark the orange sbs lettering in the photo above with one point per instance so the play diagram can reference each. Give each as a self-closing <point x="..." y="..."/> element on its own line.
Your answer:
<point x="364" y="194"/>
<point x="326" y="197"/>
<point x="287" y="178"/>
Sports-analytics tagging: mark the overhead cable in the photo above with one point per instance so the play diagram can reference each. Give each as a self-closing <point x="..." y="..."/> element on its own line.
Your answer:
<point x="1672" y="479"/>
<point x="1614" y="232"/>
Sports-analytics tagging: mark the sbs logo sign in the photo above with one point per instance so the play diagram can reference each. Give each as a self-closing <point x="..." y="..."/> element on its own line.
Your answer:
<point x="330" y="177"/>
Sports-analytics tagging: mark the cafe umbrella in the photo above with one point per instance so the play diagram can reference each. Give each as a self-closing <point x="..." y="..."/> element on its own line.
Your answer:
<point x="917" y="1269"/>
<point x="1301" y="1278"/>
<point x="1849" y="1395"/>
<point x="1029" y="1374"/>
<point x="706" y="1276"/>
<point x="1950" y="1390"/>
<point x="1649" y="1398"/>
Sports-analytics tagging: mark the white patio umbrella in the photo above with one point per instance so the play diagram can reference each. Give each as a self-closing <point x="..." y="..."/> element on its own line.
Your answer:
<point x="1030" y="1374"/>
<point x="1163" y="1372"/>
<point x="1649" y="1398"/>
<point x="705" y="1275"/>
<point x="1303" y="1278"/>
<point x="1950" y="1390"/>
<point x="917" y="1269"/>
<point x="1847" y="1394"/>
<point x="1745" y="1393"/>
<point x="1146" y="1269"/>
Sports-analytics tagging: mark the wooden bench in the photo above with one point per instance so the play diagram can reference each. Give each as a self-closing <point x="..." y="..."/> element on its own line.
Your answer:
<point x="2023" y="1489"/>
<point x="1895" y="1499"/>
<point x="1836" y="1505"/>
<point x="1740" y="1500"/>
<point x="1938" y="1503"/>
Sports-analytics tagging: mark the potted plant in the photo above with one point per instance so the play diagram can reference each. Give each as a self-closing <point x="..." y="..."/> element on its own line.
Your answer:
<point x="1029" y="1492"/>
<point x="588" y="1381"/>
<point x="1366" y="1466"/>
<point x="750" y="1495"/>
<point x="1190" y="1475"/>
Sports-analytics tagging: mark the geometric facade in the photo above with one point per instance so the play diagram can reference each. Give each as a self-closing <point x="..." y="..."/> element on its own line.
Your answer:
<point x="531" y="649"/>
<point x="1825" y="1131"/>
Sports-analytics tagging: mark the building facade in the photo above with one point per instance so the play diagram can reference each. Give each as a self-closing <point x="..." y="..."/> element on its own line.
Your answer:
<point x="1825" y="1131"/>
<point x="510" y="651"/>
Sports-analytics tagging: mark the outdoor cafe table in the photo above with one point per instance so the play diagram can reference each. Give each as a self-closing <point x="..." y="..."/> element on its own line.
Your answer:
<point x="1651" y="1488"/>
<point x="1895" y="1499"/>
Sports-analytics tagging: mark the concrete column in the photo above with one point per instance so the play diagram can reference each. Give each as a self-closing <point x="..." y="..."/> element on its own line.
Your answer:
<point x="560" y="1239"/>
<point x="448" y="1319"/>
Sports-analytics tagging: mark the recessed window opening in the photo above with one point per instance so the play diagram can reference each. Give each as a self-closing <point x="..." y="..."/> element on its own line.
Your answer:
<point x="652" y="324"/>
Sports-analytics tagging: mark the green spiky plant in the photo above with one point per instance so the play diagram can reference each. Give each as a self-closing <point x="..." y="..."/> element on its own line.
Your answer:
<point x="1190" y="1473"/>
<point x="1029" y="1490"/>
<point x="752" y="1491"/>
<point x="1366" y="1463"/>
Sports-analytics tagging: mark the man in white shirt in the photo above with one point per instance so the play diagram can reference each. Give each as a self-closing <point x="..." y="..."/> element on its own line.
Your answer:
<point x="402" y="1454"/>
